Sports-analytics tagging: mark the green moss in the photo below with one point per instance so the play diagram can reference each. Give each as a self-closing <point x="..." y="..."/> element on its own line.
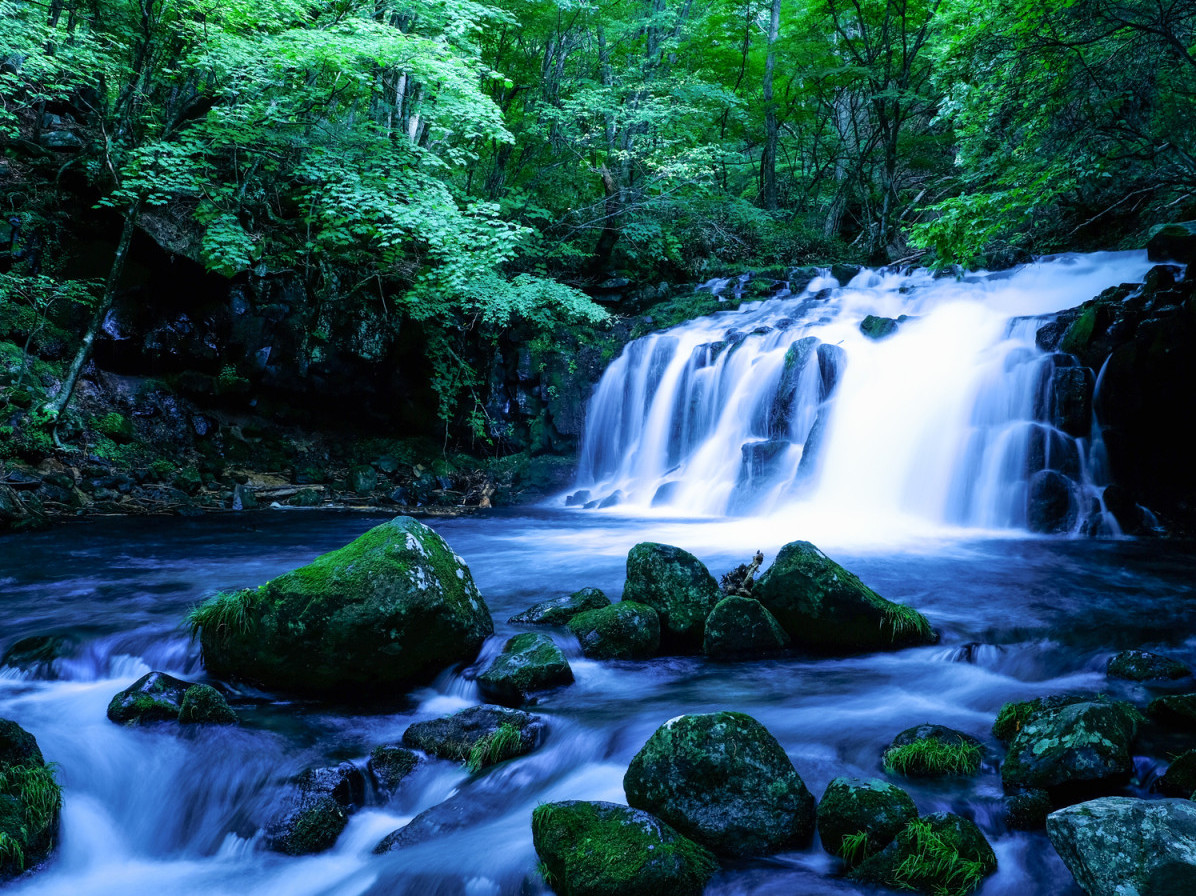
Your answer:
<point x="227" y="613"/>
<point x="930" y="757"/>
<point x="504" y="742"/>
<point x="1079" y="334"/>
<point x="904" y="623"/>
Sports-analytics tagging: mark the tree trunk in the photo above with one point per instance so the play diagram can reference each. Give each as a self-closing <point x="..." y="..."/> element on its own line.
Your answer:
<point x="768" y="161"/>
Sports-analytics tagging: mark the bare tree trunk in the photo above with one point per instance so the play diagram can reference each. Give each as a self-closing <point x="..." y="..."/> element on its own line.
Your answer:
<point x="768" y="161"/>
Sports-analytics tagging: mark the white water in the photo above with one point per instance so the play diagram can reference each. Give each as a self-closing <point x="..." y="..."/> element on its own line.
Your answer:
<point x="934" y="426"/>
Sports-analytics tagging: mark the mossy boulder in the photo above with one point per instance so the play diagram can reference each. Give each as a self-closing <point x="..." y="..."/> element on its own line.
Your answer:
<point x="1140" y="665"/>
<point x="37" y="653"/>
<point x="30" y="801"/>
<point x="1118" y="846"/>
<point x="724" y="781"/>
<point x="678" y="586"/>
<point x="932" y="751"/>
<point x="824" y="607"/>
<point x="1013" y="716"/>
<point x="1075" y="750"/>
<point x="561" y="609"/>
<point x="941" y="854"/>
<point x="389" y="764"/>
<point x="1180" y="778"/>
<point x="362" y="479"/>
<point x="601" y="849"/>
<point x="623" y="631"/>
<point x="528" y="662"/>
<point x="317" y="810"/>
<point x="740" y="627"/>
<point x="388" y="610"/>
<point x="1175" y="711"/>
<point x="305" y="497"/>
<point x="858" y="818"/>
<point x="480" y="736"/>
<point x="158" y="697"/>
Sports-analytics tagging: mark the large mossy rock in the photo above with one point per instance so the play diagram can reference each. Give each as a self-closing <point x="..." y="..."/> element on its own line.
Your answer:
<point x="480" y="736"/>
<point x="388" y="765"/>
<point x="1174" y="711"/>
<point x="741" y="627"/>
<point x="824" y="607"/>
<point x="623" y="631"/>
<point x="158" y="697"/>
<point x="528" y="662"/>
<point x="868" y="813"/>
<point x="932" y="751"/>
<point x="317" y="810"/>
<point x="604" y="849"/>
<point x="1141" y="665"/>
<point x="678" y="586"/>
<point x="390" y="609"/>
<point x="1119" y="846"/>
<point x="30" y="801"/>
<point x="940" y="854"/>
<point x="724" y="781"/>
<point x="1072" y="751"/>
<point x="560" y="610"/>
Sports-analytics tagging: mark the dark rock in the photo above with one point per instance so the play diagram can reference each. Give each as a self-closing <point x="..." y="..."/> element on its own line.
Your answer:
<point x="878" y="327"/>
<point x="623" y="631"/>
<point x="317" y="810"/>
<point x="1173" y="242"/>
<point x="362" y="479"/>
<point x="38" y="652"/>
<point x="613" y="499"/>
<point x="852" y="806"/>
<point x="939" y="853"/>
<point x="723" y="780"/>
<point x="601" y="849"/>
<point x="158" y="697"/>
<point x="578" y="498"/>
<point x="831" y="361"/>
<point x="1013" y="716"/>
<point x="389" y="764"/>
<point x="305" y="497"/>
<point x="780" y="413"/>
<point x="528" y="662"/>
<point x="824" y="607"/>
<point x="1176" y="711"/>
<point x="1180" y="778"/>
<point x="930" y="751"/>
<point x="1051" y="507"/>
<point x="1027" y="810"/>
<point x="1118" y="846"/>
<point x="678" y="586"/>
<point x="740" y="626"/>
<point x="560" y="610"/>
<point x="1071" y="410"/>
<point x="391" y="608"/>
<point x="845" y="273"/>
<point x="454" y="814"/>
<point x="666" y="493"/>
<point x="1139" y="665"/>
<point x="480" y="736"/>
<point x="759" y="459"/>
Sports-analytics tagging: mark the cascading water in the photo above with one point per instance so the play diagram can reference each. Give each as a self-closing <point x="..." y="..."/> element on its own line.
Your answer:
<point x="952" y="415"/>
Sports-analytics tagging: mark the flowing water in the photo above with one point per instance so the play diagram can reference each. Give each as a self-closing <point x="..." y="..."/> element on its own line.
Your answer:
<point x="923" y="445"/>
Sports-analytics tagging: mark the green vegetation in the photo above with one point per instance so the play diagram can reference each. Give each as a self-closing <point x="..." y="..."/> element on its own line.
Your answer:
<point x="499" y="745"/>
<point x="906" y="623"/>
<point x="853" y="848"/>
<point x="929" y="757"/>
<point x="934" y="859"/>
<point x="229" y="612"/>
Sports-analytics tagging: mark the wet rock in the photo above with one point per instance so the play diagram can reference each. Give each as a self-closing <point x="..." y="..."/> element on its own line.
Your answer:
<point x="678" y="586"/>
<point x="852" y="807"/>
<point x="158" y="697"/>
<point x="387" y="610"/>
<point x="480" y="736"/>
<point x="931" y="751"/>
<point x="741" y="627"/>
<point x="1051" y="507"/>
<point x="37" y="653"/>
<point x="528" y="662"/>
<point x="723" y="780"/>
<point x="1175" y="711"/>
<point x="560" y="610"/>
<point x="824" y="607"/>
<point x="599" y="849"/>
<point x="845" y="273"/>
<point x="1180" y="778"/>
<point x="939" y="853"/>
<point x="389" y="764"/>
<point x="831" y="361"/>
<point x="1140" y="665"/>
<point x="30" y="801"/>
<point x="1027" y="810"/>
<point x="780" y="413"/>
<point x="877" y="328"/>
<point x="454" y="814"/>
<point x="1173" y="242"/>
<point x="1071" y="409"/>
<point x="623" y="631"/>
<point x="1117" y="846"/>
<point x="317" y="810"/>
<point x="759" y="460"/>
<point x="1013" y="716"/>
<point x="1079" y="749"/>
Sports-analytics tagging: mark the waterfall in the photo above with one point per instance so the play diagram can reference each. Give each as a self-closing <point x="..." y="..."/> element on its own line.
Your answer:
<point x="944" y="411"/>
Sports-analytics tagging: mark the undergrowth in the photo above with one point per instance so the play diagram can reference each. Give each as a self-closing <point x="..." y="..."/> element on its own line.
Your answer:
<point x="928" y="757"/>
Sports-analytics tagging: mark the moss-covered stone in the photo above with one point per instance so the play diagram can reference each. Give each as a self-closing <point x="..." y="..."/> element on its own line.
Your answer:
<point x="528" y="662"/>
<point x="602" y="849"/>
<point x="317" y="810"/>
<point x="1139" y="665"/>
<point x="1180" y="778"/>
<point x="560" y="610"/>
<point x="480" y="736"/>
<point x="389" y="609"/>
<point x="723" y="780"/>
<point x="1175" y="711"/>
<point x="305" y="497"/>
<point x="940" y="854"/>
<point x="931" y="751"/>
<point x="741" y="626"/>
<point x="389" y="764"/>
<point x="867" y="814"/>
<point x="30" y="801"/>
<point x="1014" y="715"/>
<point x="678" y="586"/>
<point x="824" y="607"/>
<point x="1079" y="749"/>
<point x="622" y="631"/>
<point x="37" y="652"/>
<point x="203" y="704"/>
<point x="158" y="697"/>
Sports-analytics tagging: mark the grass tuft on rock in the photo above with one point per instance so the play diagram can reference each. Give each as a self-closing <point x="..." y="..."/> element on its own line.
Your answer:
<point x="906" y="623"/>
<point x="934" y="858"/>
<point x="930" y="757"/>
<point x="853" y="848"/>
<point x="228" y="612"/>
<point x="500" y="744"/>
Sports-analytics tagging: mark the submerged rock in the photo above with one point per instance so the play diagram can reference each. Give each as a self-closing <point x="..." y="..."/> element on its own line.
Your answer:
<point x="678" y="586"/>
<point x="1051" y="506"/>
<point x="931" y="751"/>
<point x="600" y="849"/>
<point x="560" y="610"/>
<point x="37" y="653"/>
<point x="317" y="810"/>
<point x="722" y="779"/>
<point x="158" y="697"/>
<point x="824" y="607"/>
<point x="858" y="818"/>
<point x="741" y="626"/>
<point x="1139" y="665"/>
<point x="938" y="853"/>
<point x="623" y="631"/>
<point x="387" y="610"/>
<point x="528" y="662"/>
<point x="30" y="801"/>
<point x="480" y="736"/>
<point x="1119" y="846"/>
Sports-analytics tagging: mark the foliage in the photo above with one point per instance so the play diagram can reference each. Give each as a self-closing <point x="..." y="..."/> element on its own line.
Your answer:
<point x="934" y="858"/>
<point x="500" y="744"/>
<point x="930" y="756"/>
<point x="853" y="848"/>
<point x="228" y="612"/>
